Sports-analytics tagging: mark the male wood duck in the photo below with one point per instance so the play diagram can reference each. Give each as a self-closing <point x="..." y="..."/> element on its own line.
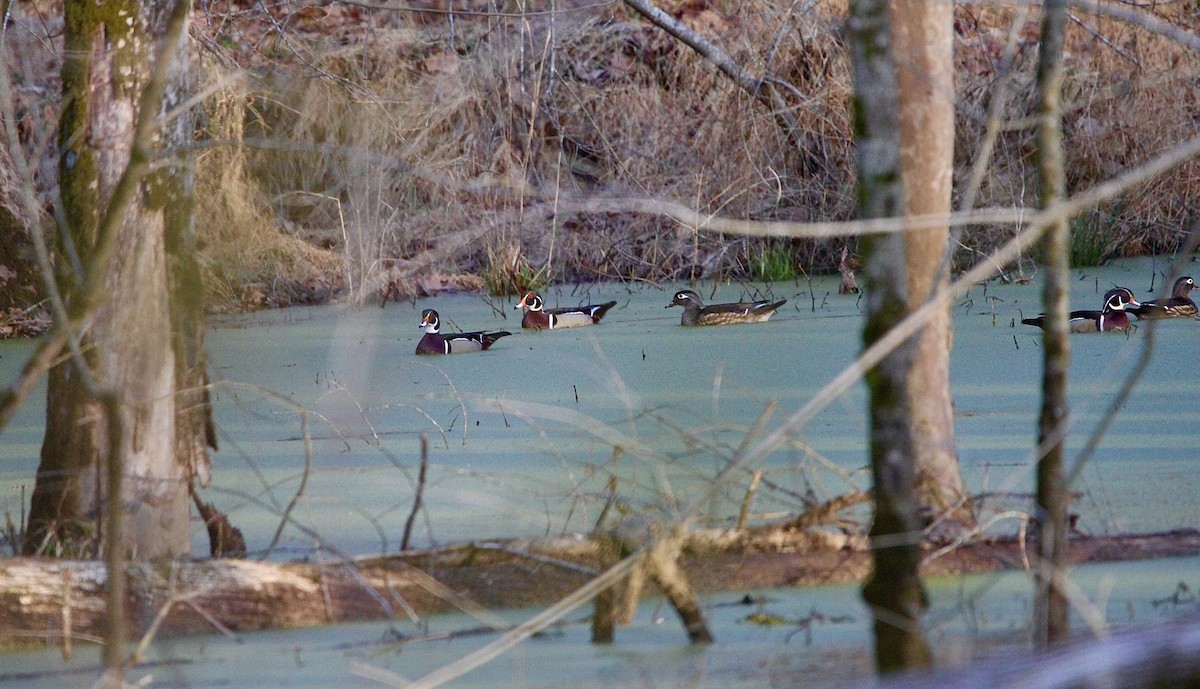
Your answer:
<point x="435" y="343"/>
<point x="1178" y="305"/>
<point x="696" y="313"/>
<point x="1111" y="319"/>
<point x="540" y="318"/>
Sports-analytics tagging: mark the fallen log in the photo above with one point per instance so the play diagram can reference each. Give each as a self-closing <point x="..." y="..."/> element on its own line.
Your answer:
<point x="60" y="600"/>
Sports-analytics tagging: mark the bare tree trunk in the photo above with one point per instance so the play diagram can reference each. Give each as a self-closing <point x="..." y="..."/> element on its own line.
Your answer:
<point x="1050" y="611"/>
<point x="894" y="590"/>
<point x="121" y="220"/>
<point x="923" y="46"/>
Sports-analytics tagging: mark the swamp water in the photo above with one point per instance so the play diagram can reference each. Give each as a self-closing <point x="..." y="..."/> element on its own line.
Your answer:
<point x="521" y="443"/>
<point x="823" y="640"/>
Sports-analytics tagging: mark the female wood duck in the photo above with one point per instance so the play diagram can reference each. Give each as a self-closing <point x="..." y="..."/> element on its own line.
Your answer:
<point x="435" y="343"/>
<point x="540" y="318"/>
<point x="696" y="313"/>
<point x="1111" y="319"/>
<point x="1178" y="305"/>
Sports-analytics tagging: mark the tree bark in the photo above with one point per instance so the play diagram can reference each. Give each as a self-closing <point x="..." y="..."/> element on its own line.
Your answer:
<point x="1051" y="608"/>
<point x="894" y="591"/>
<point x="121" y="221"/>
<point x="922" y="38"/>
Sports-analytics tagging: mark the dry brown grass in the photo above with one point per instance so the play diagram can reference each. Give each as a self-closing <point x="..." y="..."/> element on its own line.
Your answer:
<point x="247" y="261"/>
<point x="591" y="105"/>
<point x="1129" y="94"/>
<point x="517" y="112"/>
<point x="387" y="148"/>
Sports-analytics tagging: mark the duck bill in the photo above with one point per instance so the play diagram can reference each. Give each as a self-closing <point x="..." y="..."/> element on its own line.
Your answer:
<point x="521" y="304"/>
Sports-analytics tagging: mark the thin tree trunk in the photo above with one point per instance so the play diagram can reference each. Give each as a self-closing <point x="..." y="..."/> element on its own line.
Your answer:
<point x="894" y="590"/>
<point x="923" y="45"/>
<point x="1050" y="623"/>
<point x="114" y="550"/>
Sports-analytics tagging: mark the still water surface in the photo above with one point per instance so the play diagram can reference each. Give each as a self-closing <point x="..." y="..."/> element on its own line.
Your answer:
<point x="521" y="443"/>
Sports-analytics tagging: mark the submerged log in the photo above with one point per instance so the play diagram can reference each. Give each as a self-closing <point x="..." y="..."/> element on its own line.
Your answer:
<point x="42" y="599"/>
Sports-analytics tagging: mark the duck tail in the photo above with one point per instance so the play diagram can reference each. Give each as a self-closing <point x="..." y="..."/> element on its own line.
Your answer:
<point x="490" y="338"/>
<point x="599" y="311"/>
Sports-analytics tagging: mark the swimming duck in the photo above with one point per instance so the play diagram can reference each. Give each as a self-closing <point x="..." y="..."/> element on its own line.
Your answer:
<point x="696" y="313"/>
<point x="1111" y="319"/>
<point x="435" y="343"/>
<point x="540" y="318"/>
<point x="1178" y="305"/>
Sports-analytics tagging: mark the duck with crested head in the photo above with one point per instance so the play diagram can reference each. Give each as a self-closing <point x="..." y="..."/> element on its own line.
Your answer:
<point x="538" y="317"/>
<point x="696" y="313"/>
<point x="1178" y="305"/>
<point x="1112" y="318"/>
<point x="434" y="342"/>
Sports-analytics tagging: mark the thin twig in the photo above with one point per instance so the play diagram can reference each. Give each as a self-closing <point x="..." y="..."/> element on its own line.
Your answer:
<point x="420" y="492"/>
<point x="287" y="512"/>
<point x="746" y="502"/>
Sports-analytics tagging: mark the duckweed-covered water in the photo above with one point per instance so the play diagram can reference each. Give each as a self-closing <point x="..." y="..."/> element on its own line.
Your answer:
<point x="524" y="440"/>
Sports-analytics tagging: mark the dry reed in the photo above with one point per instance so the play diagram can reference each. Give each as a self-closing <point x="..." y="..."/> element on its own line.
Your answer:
<point x="375" y="150"/>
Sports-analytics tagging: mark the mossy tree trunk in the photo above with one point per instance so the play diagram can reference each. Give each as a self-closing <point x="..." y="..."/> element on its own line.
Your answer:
<point x="131" y="227"/>
<point x="1050" y="611"/>
<point x="894" y="591"/>
<point x="922" y="36"/>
